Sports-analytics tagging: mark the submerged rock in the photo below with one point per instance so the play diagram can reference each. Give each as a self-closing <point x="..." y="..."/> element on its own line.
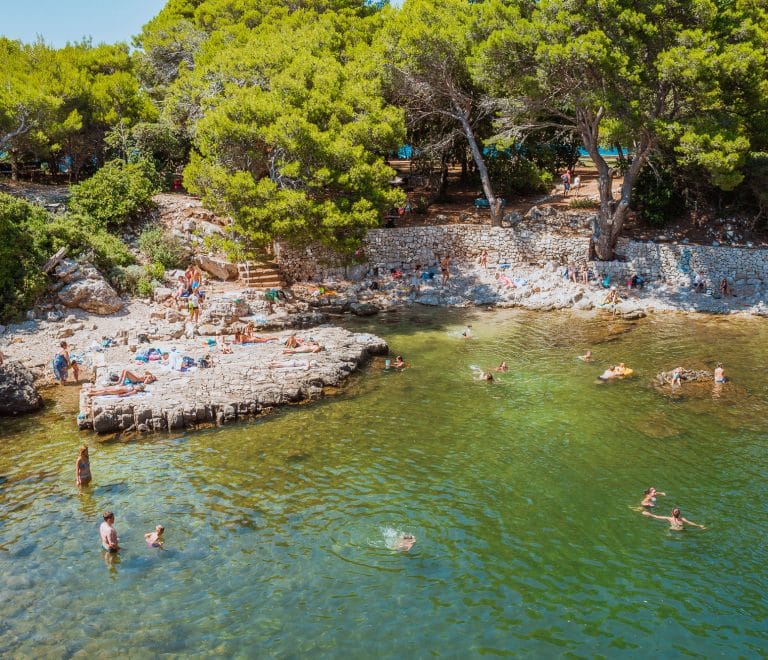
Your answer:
<point x="17" y="390"/>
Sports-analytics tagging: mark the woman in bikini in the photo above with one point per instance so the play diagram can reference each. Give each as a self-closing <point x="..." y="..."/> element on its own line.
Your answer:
<point x="676" y="520"/>
<point x="83" y="467"/>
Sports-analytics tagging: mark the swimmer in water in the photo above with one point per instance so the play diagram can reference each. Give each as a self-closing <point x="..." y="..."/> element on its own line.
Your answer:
<point x="676" y="520"/>
<point x="484" y="375"/>
<point x="155" y="539"/>
<point x="399" y="363"/>
<point x="467" y="334"/>
<point x="502" y="367"/>
<point x="587" y="357"/>
<point x="649" y="497"/>
<point x="405" y="542"/>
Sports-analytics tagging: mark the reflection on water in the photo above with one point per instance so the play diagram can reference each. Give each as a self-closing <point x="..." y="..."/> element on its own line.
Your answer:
<point x="521" y="493"/>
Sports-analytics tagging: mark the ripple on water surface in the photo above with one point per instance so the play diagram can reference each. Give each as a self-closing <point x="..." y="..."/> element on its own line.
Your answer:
<point x="522" y="496"/>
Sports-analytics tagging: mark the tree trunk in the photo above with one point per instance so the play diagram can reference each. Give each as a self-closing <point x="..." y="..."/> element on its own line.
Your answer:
<point x="485" y="179"/>
<point x="14" y="165"/>
<point x="612" y="212"/>
<point x="442" y="187"/>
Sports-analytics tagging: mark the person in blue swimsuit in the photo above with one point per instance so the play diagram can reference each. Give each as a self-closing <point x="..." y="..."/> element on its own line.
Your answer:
<point x="649" y="497"/>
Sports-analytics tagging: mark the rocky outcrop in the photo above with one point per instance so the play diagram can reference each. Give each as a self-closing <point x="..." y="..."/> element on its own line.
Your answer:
<point x="244" y="383"/>
<point x="686" y="375"/>
<point x="17" y="390"/>
<point x="219" y="268"/>
<point x="86" y="289"/>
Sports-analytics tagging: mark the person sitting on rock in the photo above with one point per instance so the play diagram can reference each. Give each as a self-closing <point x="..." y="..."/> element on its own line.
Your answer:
<point x="612" y="298"/>
<point x="292" y="342"/>
<point x="725" y="288"/>
<point x="181" y="292"/>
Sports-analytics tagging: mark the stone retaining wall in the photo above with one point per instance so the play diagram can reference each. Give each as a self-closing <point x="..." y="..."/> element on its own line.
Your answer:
<point x="384" y="249"/>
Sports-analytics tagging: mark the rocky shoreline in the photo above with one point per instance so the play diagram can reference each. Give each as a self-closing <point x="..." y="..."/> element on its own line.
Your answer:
<point x="250" y="381"/>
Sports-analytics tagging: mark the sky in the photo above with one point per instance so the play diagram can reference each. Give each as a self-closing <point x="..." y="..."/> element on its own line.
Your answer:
<point x="60" y="21"/>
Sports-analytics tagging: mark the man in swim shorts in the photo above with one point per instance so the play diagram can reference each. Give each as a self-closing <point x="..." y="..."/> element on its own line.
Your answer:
<point x="108" y="533"/>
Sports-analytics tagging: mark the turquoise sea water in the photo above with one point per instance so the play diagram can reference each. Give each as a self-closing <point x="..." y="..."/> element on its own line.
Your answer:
<point x="521" y="495"/>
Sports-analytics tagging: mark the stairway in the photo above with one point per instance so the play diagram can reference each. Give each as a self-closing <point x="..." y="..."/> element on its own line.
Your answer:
<point x="260" y="275"/>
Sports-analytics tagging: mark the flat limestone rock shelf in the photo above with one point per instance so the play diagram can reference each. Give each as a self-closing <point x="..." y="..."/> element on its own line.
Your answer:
<point x="250" y="381"/>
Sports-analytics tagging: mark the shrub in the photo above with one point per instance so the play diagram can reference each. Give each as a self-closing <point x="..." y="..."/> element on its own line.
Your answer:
<point x="138" y="280"/>
<point x="583" y="203"/>
<point x="118" y="193"/>
<point x="159" y="246"/>
<point x="83" y="238"/>
<point x="20" y="256"/>
<point x="655" y="196"/>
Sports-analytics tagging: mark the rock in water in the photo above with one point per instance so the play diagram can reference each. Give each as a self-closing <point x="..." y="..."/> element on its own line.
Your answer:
<point x="17" y="390"/>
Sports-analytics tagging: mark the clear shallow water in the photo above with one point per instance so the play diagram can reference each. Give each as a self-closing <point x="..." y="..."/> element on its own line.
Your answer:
<point x="520" y="494"/>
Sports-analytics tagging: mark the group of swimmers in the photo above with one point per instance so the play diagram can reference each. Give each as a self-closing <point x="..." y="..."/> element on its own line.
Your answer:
<point x="107" y="532"/>
<point x="675" y="520"/>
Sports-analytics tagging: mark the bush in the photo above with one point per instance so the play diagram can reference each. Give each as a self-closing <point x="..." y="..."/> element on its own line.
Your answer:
<point x="656" y="198"/>
<point x="138" y="280"/>
<point x="513" y="175"/>
<point x="583" y="203"/>
<point x="20" y="256"/>
<point x="117" y="194"/>
<point x="160" y="247"/>
<point x="83" y="238"/>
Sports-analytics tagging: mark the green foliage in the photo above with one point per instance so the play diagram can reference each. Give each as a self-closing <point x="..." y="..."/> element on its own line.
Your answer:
<point x="656" y="199"/>
<point x="582" y="203"/>
<point x="20" y="258"/>
<point x="117" y="194"/>
<point x="137" y="280"/>
<point x="512" y="174"/>
<point x="158" y="246"/>
<point x="290" y="147"/>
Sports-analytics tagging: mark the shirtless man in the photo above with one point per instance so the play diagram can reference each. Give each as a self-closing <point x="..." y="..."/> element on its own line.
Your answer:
<point x="720" y="373"/>
<point x="306" y="348"/>
<point x="587" y="357"/>
<point x="108" y="533"/>
<point x="676" y="520"/>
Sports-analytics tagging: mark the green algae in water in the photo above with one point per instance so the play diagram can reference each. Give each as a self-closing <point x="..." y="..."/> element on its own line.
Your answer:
<point x="521" y="494"/>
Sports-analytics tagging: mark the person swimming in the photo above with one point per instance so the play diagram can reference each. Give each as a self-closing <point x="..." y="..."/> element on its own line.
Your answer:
<point x="587" y="357"/>
<point x="649" y="497"/>
<point x="155" y="539"/>
<point x="405" y="542"/>
<point x="502" y="367"/>
<point x="676" y="520"/>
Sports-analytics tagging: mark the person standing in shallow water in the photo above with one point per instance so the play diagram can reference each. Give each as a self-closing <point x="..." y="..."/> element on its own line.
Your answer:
<point x="83" y="467"/>
<point x="108" y="533"/>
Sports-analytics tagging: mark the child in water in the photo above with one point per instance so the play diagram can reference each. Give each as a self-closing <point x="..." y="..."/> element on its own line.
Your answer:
<point x="155" y="539"/>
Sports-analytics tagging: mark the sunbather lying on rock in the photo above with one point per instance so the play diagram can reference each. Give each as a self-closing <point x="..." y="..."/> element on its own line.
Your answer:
<point x="115" y="390"/>
<point x="243" y="338"/>
<point x="130" y="378"/>
<point x="306" y="348"/>
<point x="293" y="364"/>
